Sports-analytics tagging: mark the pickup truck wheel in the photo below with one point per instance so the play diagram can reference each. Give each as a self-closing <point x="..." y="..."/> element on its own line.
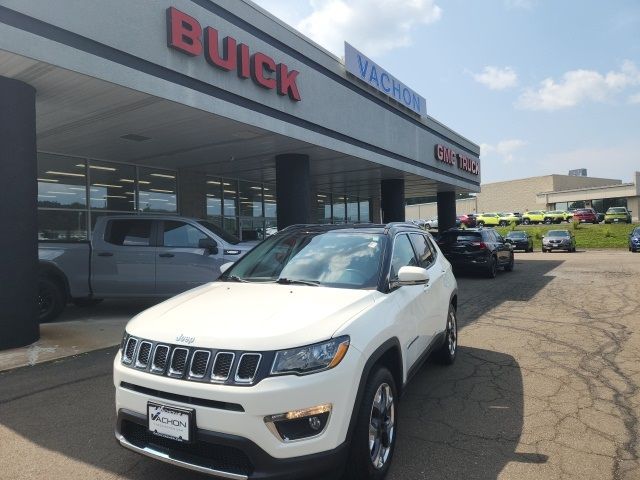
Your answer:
<point x="51" y="299"/>
<point x="446" y="354"/>
<point x="86" y="302"/>
<point x="374" y="438"/>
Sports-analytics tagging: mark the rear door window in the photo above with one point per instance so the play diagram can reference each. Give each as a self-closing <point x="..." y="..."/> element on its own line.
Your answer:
<point x="129" y="233"/>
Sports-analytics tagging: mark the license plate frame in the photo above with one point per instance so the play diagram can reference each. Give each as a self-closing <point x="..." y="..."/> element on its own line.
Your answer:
<point x="173" y="423"/>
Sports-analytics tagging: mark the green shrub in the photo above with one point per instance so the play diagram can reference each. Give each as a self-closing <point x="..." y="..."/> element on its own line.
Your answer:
<point x="607" y="233"/>
<point x="576" y="225"/>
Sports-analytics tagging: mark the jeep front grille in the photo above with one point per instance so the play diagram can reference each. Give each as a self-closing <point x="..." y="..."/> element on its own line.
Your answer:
<point x="196" y="364"/>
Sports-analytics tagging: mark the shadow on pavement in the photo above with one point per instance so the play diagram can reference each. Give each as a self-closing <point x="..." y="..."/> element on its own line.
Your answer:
<point x="108" y="309"/>
<point x="459" y="422"/>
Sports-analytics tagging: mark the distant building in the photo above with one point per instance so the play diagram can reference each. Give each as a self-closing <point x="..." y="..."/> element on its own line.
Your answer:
<point x="580" y="172"/>
<point x="549" y="192"/>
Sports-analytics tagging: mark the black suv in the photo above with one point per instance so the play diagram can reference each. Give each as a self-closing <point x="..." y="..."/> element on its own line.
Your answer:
<point x="478" y="249"/>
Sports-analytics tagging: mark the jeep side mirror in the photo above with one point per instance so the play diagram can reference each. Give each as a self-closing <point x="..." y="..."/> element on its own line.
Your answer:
<point x="209" y="244"/>
<point x="412" y="276"/>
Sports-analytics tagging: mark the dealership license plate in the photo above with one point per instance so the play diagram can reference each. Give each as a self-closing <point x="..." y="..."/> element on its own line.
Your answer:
<point x="170" y="422"/>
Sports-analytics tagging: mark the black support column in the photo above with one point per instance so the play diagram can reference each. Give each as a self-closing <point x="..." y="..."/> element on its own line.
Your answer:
<point x="18" y="215"/>
<point x="446" y="210"/>
<point x="392" y="201"/>
<point x="293" y="190"/>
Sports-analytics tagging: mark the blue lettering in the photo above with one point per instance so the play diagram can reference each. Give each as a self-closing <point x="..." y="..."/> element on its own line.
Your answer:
<point x="385" y="87"/>
<point x="396" y="90"/>
<point x="363" y="68"/>
<point x="416" y="103"/>
<point x="406" y="96"/>
<point x="373" y="76"/>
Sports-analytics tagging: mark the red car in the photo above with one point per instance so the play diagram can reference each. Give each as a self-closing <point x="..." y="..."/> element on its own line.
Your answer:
<point x="585" y="215"/>
<point x="467" y="220"/>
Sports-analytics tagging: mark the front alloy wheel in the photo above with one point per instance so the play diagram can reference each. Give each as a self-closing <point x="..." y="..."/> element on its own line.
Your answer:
<point x="374" y="437"/>
<point x="382" y="423"/>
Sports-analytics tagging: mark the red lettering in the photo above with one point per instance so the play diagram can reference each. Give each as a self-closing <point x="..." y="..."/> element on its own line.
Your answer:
<point x="287" y="82"/>
<point x="439" y="152"/>
<point x="183" y="32"/>
<point x="244" y="64"/>
<point x="229" y="59"/>
<point x="261" y="66"/>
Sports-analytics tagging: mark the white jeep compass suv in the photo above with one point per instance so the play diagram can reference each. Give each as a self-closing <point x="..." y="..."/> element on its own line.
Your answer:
<point x="292" y="363"/>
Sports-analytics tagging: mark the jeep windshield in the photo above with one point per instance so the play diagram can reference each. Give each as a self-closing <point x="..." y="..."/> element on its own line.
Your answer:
<point x="335" y="258"/>
<point x="557" y="233"/>
<point x="617" y="210"/>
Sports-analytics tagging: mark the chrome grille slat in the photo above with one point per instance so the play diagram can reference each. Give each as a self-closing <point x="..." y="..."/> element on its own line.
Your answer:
<point x="144" y="355"/>
<point x="160" y="357"/>
<point x="199" y="363"/>
<point x="247" y="367"/>
<point x="178" y="363"/>
<point x="222" y="366"/>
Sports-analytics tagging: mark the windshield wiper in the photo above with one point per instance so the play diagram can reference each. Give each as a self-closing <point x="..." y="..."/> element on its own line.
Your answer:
<point x="234" y="278"/>
<point x="288" y="281"/>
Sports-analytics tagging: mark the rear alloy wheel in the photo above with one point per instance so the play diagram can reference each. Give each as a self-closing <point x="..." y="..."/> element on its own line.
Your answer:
<point x="51" y="299"/>
<point x="492" y="270"/>
<point x="526" y="221"/>
<point x="548" y="221"/>
<point x="446" y="354"/>
<point x="374" y="438"/>
<point x="509" y="266"/>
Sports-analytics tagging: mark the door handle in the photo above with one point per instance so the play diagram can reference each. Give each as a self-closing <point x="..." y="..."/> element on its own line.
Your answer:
<point x="105" y="254"/>
<point x="166" y="255"/>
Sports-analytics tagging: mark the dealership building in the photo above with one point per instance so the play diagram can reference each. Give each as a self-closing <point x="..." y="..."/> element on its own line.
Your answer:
<point x="549" y="192"/>
<point x="205" y="108"/>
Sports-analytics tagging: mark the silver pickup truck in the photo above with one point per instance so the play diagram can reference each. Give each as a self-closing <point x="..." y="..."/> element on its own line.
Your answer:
<point x="133" y="256"/>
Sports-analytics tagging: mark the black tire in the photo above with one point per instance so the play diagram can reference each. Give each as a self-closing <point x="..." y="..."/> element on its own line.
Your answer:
<point x="509" y="266"/>
<point x="530" y="249"/>
<point x="86" y="302"/>
<point x="503" y="223"/>
<point x="51" y="299"/>
<point x="360" y="465"/>
<point x="481" y="224"/>
<point x="446" y="354"/>
<point x="492" y="269"/>
<point x="526" y="221"/>
<point x="544" y="250"/>
<point x="548" y="221"/>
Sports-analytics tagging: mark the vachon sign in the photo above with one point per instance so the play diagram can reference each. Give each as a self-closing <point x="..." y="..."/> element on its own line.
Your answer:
<point x="186" y="35"/>
<point x="450" y="157"/>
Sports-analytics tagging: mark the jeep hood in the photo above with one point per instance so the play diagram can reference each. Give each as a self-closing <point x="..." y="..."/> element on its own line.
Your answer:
<point x="251" y="316"/>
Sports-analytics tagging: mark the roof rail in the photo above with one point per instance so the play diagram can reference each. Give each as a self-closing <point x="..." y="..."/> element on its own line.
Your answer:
<point x="401" y="224"/>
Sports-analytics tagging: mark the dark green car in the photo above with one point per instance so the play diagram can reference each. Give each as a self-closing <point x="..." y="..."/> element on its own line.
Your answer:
<point x="617" y="215"/>
<point x="520" y="240"/>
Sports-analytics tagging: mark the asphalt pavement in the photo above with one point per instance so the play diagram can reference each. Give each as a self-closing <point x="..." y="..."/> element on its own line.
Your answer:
<point x="546" y="386"/>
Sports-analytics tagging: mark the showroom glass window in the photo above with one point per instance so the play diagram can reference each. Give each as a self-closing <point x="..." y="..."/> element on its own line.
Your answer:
<point x="214" y="199"/>
<point x="323" y="208"/>
<point x="339" y="210"/>
<point x="352" y="210"/>
<point x="365" y="215"/>
<point x="62" y="198"/>
<point x="270" y="210"/>
<point x="112" y="187"/>
<point x="157" y="190"/>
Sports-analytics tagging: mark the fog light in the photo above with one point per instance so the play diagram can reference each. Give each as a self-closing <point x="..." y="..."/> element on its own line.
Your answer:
<point x="299" y="424"/>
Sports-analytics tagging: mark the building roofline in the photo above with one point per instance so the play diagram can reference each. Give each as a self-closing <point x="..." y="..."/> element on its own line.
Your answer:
<point x="617" y="185"/>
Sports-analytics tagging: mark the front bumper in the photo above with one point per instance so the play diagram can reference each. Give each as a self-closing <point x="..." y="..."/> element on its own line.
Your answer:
<point x="219" y="419"/>
<point x="221" y="455"/>
<point x="557" y="246"/>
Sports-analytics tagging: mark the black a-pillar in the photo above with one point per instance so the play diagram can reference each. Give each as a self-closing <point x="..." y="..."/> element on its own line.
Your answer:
<point x="18" y="215"/>
<point x="446" y="210"/>
<point x="293" y="189"/>
<point x="392" y="200"/>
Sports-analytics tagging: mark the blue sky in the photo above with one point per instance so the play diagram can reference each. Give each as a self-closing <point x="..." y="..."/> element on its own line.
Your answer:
<point x="543" y="86"/>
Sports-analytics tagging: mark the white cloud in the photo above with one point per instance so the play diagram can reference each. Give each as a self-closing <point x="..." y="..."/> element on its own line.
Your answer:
<point x="497" y="78"/>
<point x="373" y="26"/>
<point x="579" y="86"/>
<point x="505" y="149"/>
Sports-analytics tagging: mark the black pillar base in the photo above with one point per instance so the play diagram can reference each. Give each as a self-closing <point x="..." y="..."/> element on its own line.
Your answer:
<point x="293" y="189"/>
<point x="446" y="211"/>
<point x="19" y="215"/>
<point x="392" y="201"/>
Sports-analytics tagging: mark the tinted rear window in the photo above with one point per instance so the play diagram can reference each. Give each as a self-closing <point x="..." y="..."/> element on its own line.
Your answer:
<point x="452" y="237"/>
<point x="129" y="233"/>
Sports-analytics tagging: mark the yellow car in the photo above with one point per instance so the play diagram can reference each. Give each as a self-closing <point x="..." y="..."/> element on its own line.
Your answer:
<point x="509" y="219"/>
<point x="534" y="216"/>
<point x="488" y="219"/>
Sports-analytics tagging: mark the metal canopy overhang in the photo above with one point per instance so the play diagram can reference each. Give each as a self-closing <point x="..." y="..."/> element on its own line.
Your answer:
<point x="87" y="117"/>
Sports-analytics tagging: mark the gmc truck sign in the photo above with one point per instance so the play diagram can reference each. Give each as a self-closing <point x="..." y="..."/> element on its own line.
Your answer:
<point x="186" y="35"/>
<point x="450" y="157"/>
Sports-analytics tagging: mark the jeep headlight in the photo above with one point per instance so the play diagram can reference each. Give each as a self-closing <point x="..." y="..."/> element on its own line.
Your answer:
<point x="312" y="358"/>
